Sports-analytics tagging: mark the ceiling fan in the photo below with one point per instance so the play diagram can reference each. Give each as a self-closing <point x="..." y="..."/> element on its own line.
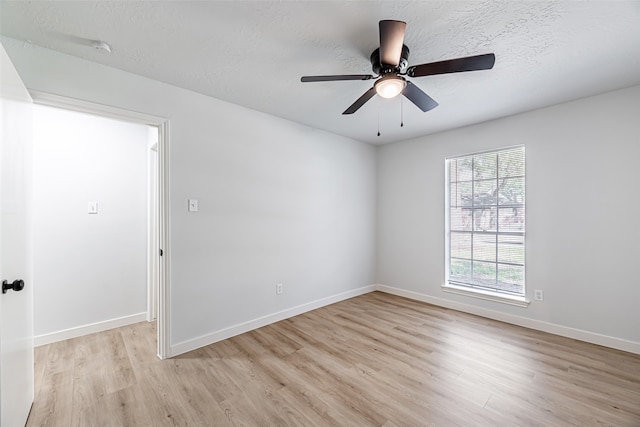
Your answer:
<point x="390" y="64"/>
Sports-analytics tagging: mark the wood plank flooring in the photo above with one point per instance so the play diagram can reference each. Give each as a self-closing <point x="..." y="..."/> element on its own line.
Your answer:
<point x="374" y="360"/>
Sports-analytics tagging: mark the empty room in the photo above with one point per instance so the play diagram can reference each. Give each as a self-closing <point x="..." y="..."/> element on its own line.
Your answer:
<point x="320" y="213"/>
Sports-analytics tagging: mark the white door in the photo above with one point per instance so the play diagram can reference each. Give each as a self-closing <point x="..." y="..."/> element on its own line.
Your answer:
<point x="16" y="307"/>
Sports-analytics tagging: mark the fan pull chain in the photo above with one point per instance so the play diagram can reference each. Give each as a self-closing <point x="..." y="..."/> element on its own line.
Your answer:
<point x="378" y="118"/>
<point x="401" y="112"/>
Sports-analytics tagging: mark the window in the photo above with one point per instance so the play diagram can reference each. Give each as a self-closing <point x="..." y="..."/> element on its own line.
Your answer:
<point x="485" y="227"/>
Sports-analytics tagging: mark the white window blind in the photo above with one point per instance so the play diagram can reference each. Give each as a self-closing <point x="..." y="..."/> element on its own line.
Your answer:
<point x="486" y="228"/>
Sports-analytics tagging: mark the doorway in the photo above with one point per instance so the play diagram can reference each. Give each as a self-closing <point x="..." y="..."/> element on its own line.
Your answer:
<point x="100" y="250"/>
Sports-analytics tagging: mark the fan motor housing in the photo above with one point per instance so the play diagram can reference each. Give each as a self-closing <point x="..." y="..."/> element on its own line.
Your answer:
<point x="381" y="69"/>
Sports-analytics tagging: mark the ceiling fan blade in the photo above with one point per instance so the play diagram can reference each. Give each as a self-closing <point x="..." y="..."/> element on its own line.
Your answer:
<point x="470" y="63"/>
<point x="391" y="41"/>
<point x="306" y="79"/>
<point x="360" y="102"/>
<point x="418" y="97"/>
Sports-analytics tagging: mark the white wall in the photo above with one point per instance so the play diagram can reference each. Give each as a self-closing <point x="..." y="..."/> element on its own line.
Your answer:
<point x="279" y="202"/>
<point x="88" y="268"/>
<point x="582" y="208"/>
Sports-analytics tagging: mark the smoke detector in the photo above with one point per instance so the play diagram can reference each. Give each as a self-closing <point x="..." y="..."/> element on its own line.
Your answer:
<point x="101" y="46"/>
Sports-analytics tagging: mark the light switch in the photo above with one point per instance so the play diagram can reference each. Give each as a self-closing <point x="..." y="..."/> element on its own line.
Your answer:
<point x="193" y="205"/>
<point x="92" y="207"/>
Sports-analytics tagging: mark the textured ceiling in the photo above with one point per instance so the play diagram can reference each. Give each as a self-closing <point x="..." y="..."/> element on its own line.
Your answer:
<point x="253" y="53"/>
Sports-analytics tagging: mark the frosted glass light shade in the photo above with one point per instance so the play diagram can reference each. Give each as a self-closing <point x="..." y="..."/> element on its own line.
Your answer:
<point x="390" y="86"/>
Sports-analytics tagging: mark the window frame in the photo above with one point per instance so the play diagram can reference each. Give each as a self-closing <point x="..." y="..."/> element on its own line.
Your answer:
<point x="477" y="290"/>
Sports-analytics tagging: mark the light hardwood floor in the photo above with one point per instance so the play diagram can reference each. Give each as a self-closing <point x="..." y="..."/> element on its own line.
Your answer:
<point x="374" y="360"/>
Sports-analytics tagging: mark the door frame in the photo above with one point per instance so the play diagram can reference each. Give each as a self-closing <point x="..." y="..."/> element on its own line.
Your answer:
<point x="153" y="248"/>
<point x="164" y="276"/>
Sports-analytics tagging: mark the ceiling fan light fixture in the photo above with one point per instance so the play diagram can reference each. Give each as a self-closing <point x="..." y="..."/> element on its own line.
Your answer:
<point x="390" y="86"/>
<point x="389" y="63"/>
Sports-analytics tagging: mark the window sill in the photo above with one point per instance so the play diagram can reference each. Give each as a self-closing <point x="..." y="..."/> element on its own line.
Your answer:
<point x="487" y="295"/>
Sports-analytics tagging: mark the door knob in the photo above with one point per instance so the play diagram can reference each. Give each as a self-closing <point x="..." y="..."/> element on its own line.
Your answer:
<point x="17" y="286"/>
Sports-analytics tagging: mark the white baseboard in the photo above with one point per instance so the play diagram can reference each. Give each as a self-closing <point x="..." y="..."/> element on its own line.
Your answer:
<point x="552" y="328"/>
<point x="250" y="325"/>
<point x="195" y="343"/>
<point x="88" y="329"/>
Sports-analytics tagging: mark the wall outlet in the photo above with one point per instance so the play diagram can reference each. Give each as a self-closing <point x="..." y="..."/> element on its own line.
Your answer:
<point x="538" y="295"/>
<point x="279" y="288"/>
